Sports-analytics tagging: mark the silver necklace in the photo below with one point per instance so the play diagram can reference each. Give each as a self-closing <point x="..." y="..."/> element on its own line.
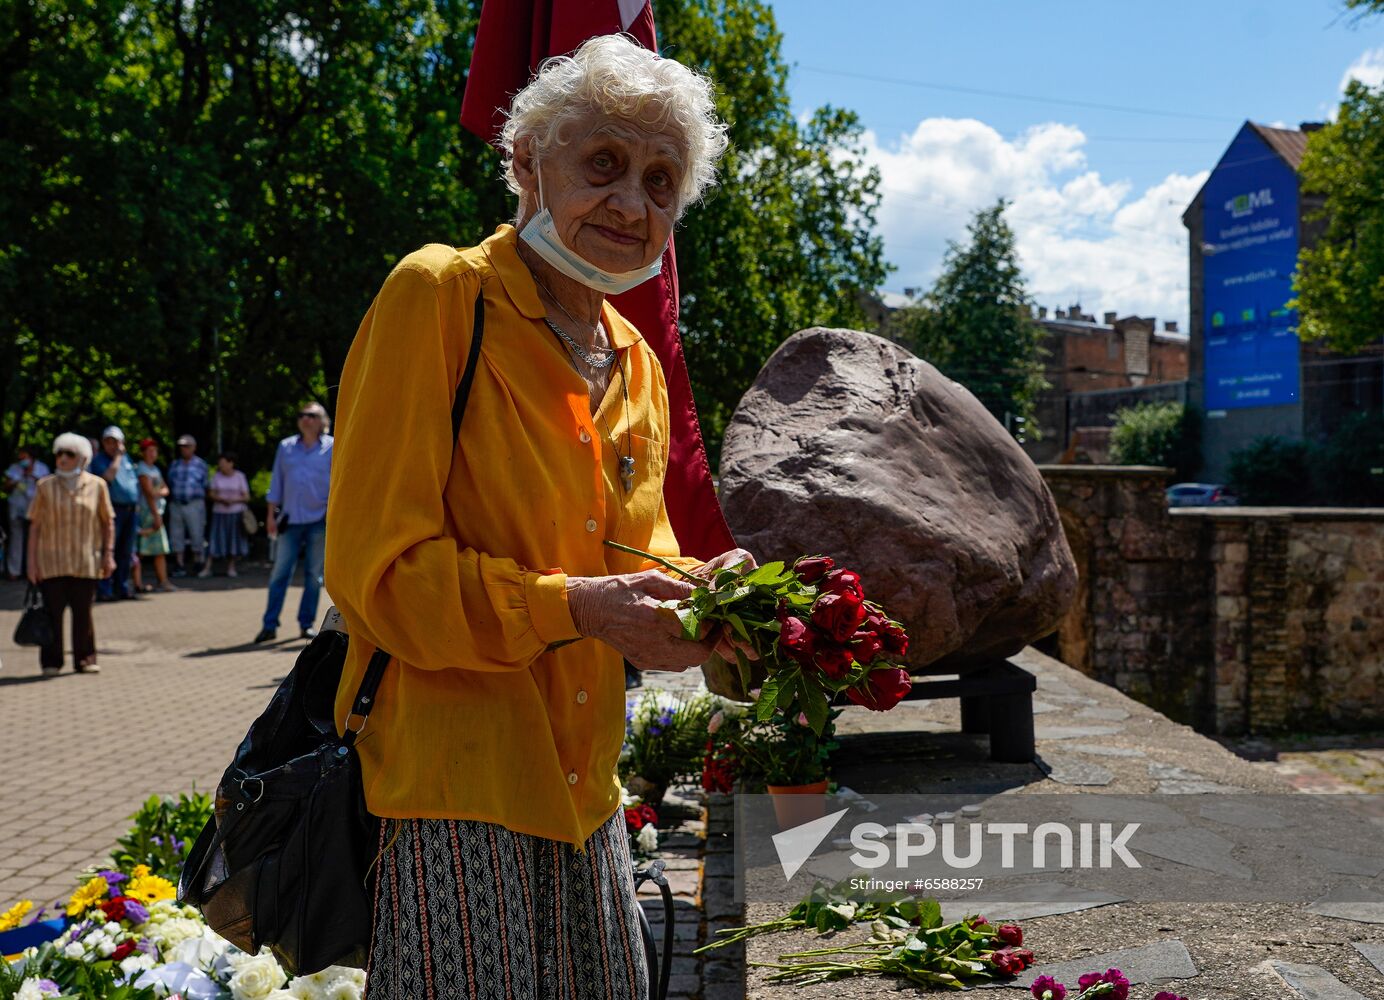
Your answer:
<point x="604" y="362"/>
<point x="627" y="467"/>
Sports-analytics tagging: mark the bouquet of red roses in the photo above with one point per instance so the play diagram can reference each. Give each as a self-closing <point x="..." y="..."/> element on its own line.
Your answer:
<point x="813" y="630"/>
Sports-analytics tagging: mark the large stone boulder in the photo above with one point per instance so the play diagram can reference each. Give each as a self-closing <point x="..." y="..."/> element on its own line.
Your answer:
<point x="850" y="446"/>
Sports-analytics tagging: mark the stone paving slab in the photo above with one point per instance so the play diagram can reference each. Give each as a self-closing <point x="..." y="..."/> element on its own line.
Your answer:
<point x="1312" y="982"/>
<point x="1373" y="952"/>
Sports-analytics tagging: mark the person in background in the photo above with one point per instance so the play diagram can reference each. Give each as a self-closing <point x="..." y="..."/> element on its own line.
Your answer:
<point x="71" y="541"/>
<point x="21" y="480"/>
<point x="187" y="505"/>
<point x="298" y="518"/>
<point x="114" y="466"/>
<point x="153" y="503"/>
<point x="230" y="492"/>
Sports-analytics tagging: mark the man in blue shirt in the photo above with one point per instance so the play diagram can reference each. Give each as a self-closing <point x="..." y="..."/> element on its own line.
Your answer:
<point x="114" y="466"/>
<point x="187" y="504"/>
<point x="298" y="518"/>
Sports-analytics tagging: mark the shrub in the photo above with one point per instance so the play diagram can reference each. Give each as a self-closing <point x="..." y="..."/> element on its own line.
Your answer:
<point x="1272" y="470"/>
<point x="163" y="834"/>
<point x="1345" y="465"/>
<point x="1158" y="434"/>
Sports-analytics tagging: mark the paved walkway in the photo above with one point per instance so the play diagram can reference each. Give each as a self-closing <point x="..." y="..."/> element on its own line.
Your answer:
<point x="180" y="684"/>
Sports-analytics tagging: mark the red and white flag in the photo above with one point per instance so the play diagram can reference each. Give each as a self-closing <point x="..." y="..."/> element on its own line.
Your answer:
<point x="514" y="36"/>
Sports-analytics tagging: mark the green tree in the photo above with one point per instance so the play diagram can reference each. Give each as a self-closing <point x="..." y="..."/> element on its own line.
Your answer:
<point x="787" y="238"/>
<point x="976" y="323"/>
<point x="1167" y="434"/>
<point x="1340" y="281"/>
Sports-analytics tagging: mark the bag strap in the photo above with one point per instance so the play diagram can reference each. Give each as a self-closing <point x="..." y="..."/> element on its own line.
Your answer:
<point x="374" y="673"/>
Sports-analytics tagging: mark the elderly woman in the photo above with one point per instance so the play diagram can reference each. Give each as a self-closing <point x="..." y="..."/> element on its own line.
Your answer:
<point x="71" y="546"/>
<point x="480" y="565"/>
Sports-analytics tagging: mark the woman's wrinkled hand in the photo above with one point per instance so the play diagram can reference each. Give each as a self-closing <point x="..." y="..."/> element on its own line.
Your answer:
<point x="626" y="612"/>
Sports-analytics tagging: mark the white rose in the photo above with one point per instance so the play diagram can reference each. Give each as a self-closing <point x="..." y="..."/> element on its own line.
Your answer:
<point x="74" y="950"/>
<point x="105" y="947"/>
<point x="111" y="928"/>
<point x="256" y="978"/>
<point x="28" y="990"/>
<point x="136" y="963"/>
<point x="343" y="989"/>
<point x="647" y="838"/>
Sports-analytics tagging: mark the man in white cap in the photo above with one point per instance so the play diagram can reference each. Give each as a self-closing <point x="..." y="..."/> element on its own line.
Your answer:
<point x="114" y="466"/>
<point x="187" y="504"/>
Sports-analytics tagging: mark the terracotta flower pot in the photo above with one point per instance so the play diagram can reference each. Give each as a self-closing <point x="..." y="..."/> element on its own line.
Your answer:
<point x="798" y="804"/>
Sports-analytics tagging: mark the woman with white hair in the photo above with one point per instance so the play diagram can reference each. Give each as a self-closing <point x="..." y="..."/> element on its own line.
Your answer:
<point x="71" y="546"/>
<point x="479" y="561"/>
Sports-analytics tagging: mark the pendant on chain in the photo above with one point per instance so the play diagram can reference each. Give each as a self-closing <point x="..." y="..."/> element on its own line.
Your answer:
<point x="627" y="472"/>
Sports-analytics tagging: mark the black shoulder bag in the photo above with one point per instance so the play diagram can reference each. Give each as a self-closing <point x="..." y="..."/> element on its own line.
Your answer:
<point x="35" y="628"/>
<point x="285" y="860"/>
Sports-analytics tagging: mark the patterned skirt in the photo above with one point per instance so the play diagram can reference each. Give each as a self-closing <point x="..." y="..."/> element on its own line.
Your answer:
<point x="473" y="911"/>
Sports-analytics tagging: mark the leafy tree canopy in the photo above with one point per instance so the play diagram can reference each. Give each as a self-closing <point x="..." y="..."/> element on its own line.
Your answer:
<point x="976" y="323"/>
<point x="1340" y="281"/>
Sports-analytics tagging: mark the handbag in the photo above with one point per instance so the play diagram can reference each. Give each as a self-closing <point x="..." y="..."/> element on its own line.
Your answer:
<point x="35" y="628"/>
<point x="285" y="860"/>
<point x="248" y="521"/>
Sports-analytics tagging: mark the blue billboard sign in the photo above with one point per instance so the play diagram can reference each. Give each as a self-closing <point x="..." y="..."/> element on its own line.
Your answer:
<point x="1250" y="246"/>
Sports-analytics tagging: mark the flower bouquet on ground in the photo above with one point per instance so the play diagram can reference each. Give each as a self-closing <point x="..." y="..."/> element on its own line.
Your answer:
<point x="665" y="737"/>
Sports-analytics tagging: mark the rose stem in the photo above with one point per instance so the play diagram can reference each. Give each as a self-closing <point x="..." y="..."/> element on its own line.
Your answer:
<point x="662" y="562"/>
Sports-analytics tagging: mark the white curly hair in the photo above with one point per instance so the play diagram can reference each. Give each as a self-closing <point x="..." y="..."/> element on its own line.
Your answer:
<point x="76" y="443"/>
<point x="617" y="76"/>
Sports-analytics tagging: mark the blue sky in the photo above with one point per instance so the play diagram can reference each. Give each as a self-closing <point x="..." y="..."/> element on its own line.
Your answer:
<point x="1121" y="110"/>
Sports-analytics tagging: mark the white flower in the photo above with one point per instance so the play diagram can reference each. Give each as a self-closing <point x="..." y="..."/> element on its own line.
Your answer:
<point x="106" y="947"/>
<point x="846" y="909"/>
<point x="256" y="977"/>
<point x="75" y="950"/>
<point x="303" y="988"/>
<point x="136" y="963"/>
<point x="173" y="931"/>
<point x="30" y="990"/>
<point x="647" y="838"/>
<point x="343" y="989"/>
<point x="111" y="929"/>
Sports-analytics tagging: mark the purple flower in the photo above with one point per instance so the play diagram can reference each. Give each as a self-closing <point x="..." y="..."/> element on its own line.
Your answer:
<point x="114" y="880"/>
<point x="1166" y="995"/>
<point x="135" y="912"/>
<point x="47" y="987"/>
<point x="1114" y="977"/>
<point x="146" y="947"/>
<point x="1047" y="988"/>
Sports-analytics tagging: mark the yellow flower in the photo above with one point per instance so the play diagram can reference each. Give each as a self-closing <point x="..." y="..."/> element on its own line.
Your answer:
<point x="87" y="896"/>
<point x="149" y="888"/>
<point x="140" y="871"/>
<point x="10" y="919"/>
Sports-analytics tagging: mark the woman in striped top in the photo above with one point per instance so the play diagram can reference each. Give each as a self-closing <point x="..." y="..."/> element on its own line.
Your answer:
<point x="71" y="546"/>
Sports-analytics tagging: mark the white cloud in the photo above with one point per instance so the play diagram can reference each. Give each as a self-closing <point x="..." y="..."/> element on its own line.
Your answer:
<point x="1079" y="236"/>
<point x="1368" y="69"/>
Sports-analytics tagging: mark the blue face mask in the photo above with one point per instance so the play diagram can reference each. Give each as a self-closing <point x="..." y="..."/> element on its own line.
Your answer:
<point x="541" y="234"/>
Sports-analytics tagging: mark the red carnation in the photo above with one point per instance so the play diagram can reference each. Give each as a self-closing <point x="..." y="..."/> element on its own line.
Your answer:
<point x="884" y="689"/>
<point x="797" y="638"/>
<point x="633" y="819"/>
<point x="867" y="646"/>
<point x="114" y="908"/>
<point x="1010" y="934"/>
<point x="810" y="569"/>
<point x="123" y="951"/>
<point x="646" y="812"/>
<point x="835" y="661"/>
<point x="844" y="581"/>
<point x="839" y="615"/>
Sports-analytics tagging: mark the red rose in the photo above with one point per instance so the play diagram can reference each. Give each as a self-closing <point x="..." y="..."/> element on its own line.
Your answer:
<point x="797" y="638"/>
<point x="1011" y="934"/>
<point x="123" y="951"/>
<point x="977" y="921"/>
<point x="1024" y="954"/>
<point x="895" y="639"/>
<point x="839" y="615"/>
<point x="866" y="647"/>
<point x="633" y="819"/>
<point x="1007" y="962"/>
<point x="884" y="689"/>
<point x="844" y="581"/>
<point x="115" y="908"/>
<point x="835" y="661"/>
<point x="810" y="569"/>
<point x="646" y="812"/>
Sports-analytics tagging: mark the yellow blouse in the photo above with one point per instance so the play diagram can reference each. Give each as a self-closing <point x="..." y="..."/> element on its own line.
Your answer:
<point x="455" y="559"/>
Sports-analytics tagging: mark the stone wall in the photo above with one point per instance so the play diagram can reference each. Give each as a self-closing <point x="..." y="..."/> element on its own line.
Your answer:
<point x="1231" y="619"/>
